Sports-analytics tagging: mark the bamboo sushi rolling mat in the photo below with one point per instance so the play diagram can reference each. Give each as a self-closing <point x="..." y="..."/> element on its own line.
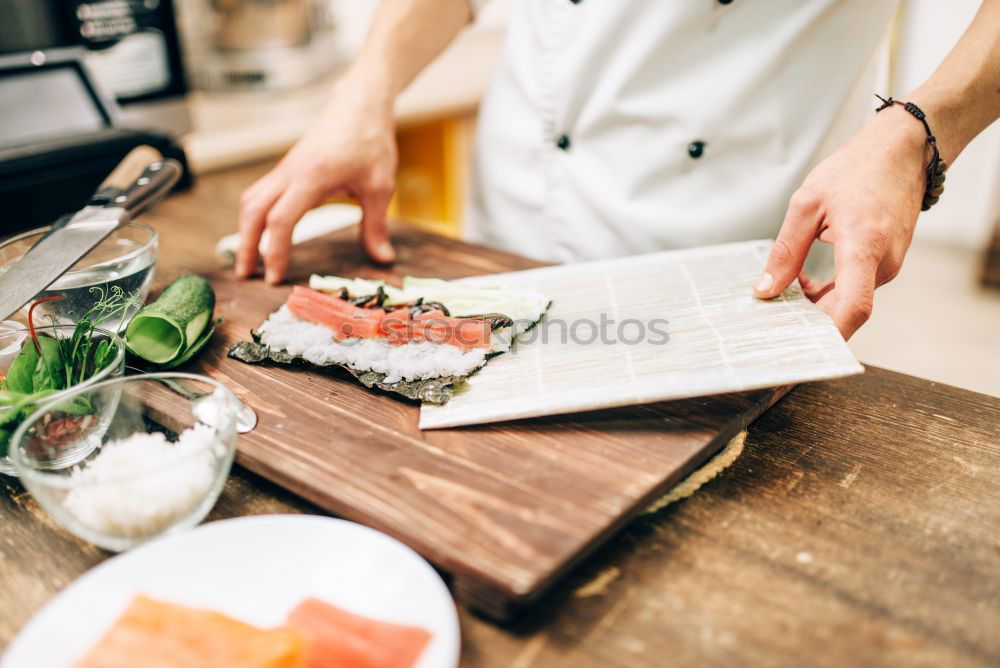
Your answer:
<point x="634" y="330"/>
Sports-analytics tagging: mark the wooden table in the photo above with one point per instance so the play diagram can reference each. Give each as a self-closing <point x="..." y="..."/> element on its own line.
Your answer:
<point x="859" y="526"/>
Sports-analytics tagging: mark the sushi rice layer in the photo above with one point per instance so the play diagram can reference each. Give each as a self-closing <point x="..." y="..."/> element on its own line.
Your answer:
<point x="409" y="362"/>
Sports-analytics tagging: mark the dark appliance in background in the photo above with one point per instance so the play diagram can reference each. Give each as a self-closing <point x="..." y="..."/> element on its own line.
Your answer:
<point x="81" y="84"/>
<point x="59" y="137"/>
<point x="131" y="46"/>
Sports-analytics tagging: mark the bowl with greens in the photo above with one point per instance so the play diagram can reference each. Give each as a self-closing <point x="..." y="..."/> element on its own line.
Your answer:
<point x="166" y="443"/>
<point x="40" y="363"/>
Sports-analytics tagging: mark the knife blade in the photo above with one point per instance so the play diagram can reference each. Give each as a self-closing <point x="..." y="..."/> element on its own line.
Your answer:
<point x="53" y="255"/>
<point x="139" y="180"/>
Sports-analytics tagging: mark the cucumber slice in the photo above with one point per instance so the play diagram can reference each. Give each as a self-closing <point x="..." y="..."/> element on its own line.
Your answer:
<point x="194" y="348"/>
<point x="163" y="331"/>
<point x="358" y="287"/>
<point x="520" y="304"/>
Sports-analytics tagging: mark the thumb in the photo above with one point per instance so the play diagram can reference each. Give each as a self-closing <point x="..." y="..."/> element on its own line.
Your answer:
<point x="375" y="230"/>
<point x="789" y="251"/>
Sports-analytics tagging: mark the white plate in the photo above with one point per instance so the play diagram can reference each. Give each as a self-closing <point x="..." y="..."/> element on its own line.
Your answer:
<point x="255" y="569"/>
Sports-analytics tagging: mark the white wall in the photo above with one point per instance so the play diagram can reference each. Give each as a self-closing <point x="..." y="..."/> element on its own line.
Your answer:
<point x="970" y="206"/>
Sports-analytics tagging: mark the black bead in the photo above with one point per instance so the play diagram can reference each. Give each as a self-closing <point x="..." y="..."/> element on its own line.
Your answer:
<point x="563" y="142"/>
<point x="725" y="2"/>
<point x="576" y="2"/>
<point x="696" y="149"/>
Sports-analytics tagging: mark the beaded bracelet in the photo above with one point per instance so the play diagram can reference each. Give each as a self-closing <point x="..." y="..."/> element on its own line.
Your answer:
<point x="936" y="167"/>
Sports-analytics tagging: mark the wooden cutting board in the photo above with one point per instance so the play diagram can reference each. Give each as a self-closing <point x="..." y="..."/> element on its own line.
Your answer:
<point x="505" y="509"/>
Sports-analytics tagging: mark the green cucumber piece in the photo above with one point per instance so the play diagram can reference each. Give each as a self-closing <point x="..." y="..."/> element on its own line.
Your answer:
<point x="161" y="331"/>
<point x="194" y="348"/>
<point x="358" y="287"/>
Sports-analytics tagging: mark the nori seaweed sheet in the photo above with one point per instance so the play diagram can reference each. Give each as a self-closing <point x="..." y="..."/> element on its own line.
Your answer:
<point x="432" y="390"/>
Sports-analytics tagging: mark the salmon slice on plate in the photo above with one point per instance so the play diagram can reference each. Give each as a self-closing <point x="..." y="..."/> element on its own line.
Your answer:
<point x="337" y="638"/>
<point x="155" y="634"/>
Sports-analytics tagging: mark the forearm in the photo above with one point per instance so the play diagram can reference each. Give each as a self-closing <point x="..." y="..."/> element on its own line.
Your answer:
<point x="406" y="35"/>
<point x="962" y="97"/>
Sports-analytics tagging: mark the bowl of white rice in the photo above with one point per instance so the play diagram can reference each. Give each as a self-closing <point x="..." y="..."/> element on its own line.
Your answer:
<point x="161" y="463"/>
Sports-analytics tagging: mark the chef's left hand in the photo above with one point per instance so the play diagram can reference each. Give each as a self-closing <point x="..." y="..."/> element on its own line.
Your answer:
<point x="864" y="199"/>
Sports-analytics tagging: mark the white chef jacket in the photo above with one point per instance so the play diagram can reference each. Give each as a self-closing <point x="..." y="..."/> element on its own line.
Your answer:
<point x="615" y="127"/>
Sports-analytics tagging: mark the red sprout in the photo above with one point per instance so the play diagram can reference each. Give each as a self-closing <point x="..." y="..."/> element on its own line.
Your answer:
<point x="31" y="322"/>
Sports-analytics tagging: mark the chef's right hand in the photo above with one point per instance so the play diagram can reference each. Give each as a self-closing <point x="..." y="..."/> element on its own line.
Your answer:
<point x="349" y="151"/>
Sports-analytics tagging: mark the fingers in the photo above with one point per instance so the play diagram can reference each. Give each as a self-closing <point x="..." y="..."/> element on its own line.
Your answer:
<point x="798" y="231"/>
<point x="814" y="289"/>
<point x="375" y="229"/>
<point x="281" y="220"/>
<point x="255" y="203"/>
<point x="849" y="303"/>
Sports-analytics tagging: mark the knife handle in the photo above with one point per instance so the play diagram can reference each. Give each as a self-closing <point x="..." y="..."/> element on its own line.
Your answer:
<point x="125" y="174"/>
<point x="154" y="182"/>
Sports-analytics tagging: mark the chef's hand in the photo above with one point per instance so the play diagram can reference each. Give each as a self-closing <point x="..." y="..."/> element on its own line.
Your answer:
<point x="864" y="199"/>
<point x="350" y="150"/>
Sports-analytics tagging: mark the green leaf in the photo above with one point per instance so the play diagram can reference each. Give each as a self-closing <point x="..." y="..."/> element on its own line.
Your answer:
<point x="5" y="435"/>
<point x="78" y="405"/>
<point x="103" y="355"/>
<point x="49" y="373"/>
<point x="21" y="405"/>
<point x="8" y="397"/>
<point x="11" y="416"/>
<point x="17" y="409"/>
<point x="20" y="372"/>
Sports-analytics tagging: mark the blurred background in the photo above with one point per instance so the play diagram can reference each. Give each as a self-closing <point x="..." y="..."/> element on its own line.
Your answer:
<point x="228" y="82"/>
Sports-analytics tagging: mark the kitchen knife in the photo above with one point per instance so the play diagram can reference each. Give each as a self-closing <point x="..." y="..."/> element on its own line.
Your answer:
<point x="138" y="181"/>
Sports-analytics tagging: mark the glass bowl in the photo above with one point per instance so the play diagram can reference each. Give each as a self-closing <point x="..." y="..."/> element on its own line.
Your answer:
<point x="126" y="259"/>
<point x="163" y="457"/>
<point x="13" y="337"/>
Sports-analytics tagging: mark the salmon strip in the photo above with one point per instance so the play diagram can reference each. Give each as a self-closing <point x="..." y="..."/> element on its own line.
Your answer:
<point x="154" y="634"/>
<point x="340" y="639"/>
<point x="343" y="318"/>
<point x="347" y="321"/>
<point x="435" y="327"/>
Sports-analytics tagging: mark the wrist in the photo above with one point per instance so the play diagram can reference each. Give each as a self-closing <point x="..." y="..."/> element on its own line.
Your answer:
<point x="933" y="173"/>
<point x="369" y="82"/>
<point x="944" y="117"/>
<point x="905" y="133"/>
